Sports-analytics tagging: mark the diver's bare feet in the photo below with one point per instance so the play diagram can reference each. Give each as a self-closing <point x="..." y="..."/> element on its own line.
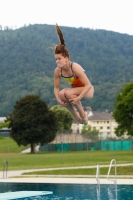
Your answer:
<point x="79" y="119"/>
<point x="85" y="119"/>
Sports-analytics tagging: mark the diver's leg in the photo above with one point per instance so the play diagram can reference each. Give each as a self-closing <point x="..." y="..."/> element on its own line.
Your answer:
<point x="75" y="92"/>
<point x="69" y="106"/>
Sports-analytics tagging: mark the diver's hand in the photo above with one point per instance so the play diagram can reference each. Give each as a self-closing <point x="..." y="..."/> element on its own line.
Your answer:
<point x="62" y="102"/>
<point x="74" y="100"/>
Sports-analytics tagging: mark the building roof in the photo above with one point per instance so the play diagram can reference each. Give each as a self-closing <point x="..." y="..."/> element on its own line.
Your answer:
<point x="95" y="115"/>
<point x="100" y="116"/>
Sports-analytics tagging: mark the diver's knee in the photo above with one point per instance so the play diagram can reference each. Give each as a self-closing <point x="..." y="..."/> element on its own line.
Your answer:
<point x="67" y="93"/>
<point x="63" y="94"/>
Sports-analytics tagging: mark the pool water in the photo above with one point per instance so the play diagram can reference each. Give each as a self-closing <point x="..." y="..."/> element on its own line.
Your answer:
<point x="72" y="191"/>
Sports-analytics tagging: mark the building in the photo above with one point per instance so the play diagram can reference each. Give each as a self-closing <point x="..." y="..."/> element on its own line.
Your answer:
<point x="102" y="121"/>
<point x="2" y="119"/>
<point x="4" y="132"/>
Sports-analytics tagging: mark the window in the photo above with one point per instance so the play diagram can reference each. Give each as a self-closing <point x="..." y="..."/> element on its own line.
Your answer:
<point x="94" y="127"/>
<point x="101" y="127"/>
<point x="108" y="127"/>
<point x="97" y="122"/>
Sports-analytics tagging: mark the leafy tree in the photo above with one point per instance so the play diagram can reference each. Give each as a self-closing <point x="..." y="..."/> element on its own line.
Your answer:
<point x="27" y="64"/>
<point x="64" y="117"/>
<point x="88" y="132"/>
<point x="123" y="110"/>
<point x="31" y="122"/>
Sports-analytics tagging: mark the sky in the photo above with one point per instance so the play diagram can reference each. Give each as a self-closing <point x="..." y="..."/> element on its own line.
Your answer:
<point x="112" y="15"/>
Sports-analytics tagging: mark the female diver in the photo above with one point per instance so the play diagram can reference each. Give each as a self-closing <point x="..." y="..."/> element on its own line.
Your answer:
<point x="75" y="75"/>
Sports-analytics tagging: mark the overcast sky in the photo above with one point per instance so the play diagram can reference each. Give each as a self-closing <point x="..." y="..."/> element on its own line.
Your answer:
<point x="115" y="15"/>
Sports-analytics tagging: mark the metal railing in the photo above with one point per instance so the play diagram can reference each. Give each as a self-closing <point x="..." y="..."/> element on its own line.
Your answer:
<point x="98" y="175"/>
<point x="115" y="178"/>
<point x="5" y="169"/>
<point x="98" y="181"/>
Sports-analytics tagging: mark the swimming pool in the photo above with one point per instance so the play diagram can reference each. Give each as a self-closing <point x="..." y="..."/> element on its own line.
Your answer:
<point x="72" y="191"/>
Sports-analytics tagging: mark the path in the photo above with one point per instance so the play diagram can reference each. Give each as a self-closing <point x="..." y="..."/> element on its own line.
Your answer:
<point x="14" y="173"/>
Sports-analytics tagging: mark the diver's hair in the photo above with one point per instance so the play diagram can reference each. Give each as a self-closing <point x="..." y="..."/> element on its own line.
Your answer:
<point x="61" y="48"/>
<point x="60" y="35"/>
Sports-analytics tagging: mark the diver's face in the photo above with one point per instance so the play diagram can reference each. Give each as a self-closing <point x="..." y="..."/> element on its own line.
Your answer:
<point x="61" y="61"/>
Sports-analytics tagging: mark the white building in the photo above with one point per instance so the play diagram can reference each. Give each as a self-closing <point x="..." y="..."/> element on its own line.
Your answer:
<point x="102" y="121"/>
<point x="2" y="119"/>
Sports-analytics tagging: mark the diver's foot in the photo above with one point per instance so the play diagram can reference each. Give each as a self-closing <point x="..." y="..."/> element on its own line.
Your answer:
<point x="85" y="119"/>
<point x="79" y="119"/>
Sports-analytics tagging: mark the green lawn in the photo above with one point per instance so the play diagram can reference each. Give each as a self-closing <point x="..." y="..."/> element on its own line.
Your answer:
<point x="8" y="145"/>
<point x="126" y="170"/>
<point x="11" y="152"/>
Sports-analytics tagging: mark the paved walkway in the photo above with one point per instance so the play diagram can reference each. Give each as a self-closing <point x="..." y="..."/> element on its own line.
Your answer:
<point x="19" y="172"/>
<point x="16" y="176"/>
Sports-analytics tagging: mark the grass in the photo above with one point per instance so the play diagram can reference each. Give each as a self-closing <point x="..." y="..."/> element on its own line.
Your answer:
<point x="124" y="170"/>
<point x="66" y="159"/>
<point x="8" y="145"/>
<point x="10" y="151"/>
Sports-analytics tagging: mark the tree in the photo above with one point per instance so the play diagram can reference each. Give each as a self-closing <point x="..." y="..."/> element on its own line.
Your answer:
<point x="32" y="122"/>
<point x="64" y="117"/>
<point x="123" y="110"/>
<point x="87" y="131"/>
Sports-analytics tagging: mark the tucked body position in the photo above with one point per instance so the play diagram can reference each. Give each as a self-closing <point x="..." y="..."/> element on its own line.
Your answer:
<point x="75" y="75"/>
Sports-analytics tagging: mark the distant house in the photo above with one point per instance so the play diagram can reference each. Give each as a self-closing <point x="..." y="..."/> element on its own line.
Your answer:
<point x="102" y="121"/>
<point x="4" y="132"/>
<point x="2" y="119"/>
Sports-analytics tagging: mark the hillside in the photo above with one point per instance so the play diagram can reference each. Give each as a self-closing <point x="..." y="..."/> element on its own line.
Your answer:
<point x="27" y="63"/>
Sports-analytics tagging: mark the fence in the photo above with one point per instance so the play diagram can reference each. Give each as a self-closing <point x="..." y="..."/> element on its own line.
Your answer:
<point x="4" y="133"/>
<point x="100" y="145"/>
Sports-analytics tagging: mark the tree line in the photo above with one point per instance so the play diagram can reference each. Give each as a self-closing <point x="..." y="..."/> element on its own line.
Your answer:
<point x="27" y="63"/>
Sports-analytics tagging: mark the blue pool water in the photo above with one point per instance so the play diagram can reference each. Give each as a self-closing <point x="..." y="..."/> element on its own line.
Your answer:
<point x="72" y="191"/>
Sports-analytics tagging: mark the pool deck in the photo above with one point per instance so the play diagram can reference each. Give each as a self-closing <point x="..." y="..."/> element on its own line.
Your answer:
<point x="16" y="176"/>
<point x="66" y="180"/>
